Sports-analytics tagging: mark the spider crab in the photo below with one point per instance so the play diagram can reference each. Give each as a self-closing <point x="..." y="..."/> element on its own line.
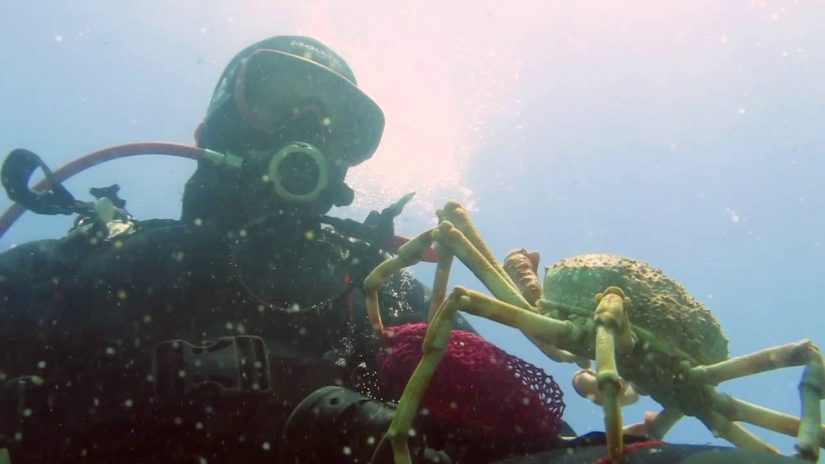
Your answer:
<point x="665" y="343"/>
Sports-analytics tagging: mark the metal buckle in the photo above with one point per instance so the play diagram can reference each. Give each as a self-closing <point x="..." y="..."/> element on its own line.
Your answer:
<point x="235" y="364"/>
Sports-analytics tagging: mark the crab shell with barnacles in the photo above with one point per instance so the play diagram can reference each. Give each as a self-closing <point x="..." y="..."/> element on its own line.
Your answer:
<point x="643" y="329"/>
<point x="671" y="329"/>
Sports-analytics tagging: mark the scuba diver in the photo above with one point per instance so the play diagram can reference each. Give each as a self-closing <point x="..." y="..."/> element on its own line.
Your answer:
<point x="239" y="332"/>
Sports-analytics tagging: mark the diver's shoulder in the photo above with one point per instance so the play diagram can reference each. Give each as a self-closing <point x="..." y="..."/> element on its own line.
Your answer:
<point x="28" y="254"/>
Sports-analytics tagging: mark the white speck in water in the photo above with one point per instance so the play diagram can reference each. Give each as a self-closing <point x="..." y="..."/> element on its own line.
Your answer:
<point x="734" y="216"/>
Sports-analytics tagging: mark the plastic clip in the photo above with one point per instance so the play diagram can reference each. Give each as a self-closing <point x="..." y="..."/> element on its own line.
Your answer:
<point x="235" y="364"/>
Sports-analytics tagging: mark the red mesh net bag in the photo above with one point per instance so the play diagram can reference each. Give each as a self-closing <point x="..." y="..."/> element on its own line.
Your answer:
<point x="477" y="386"/>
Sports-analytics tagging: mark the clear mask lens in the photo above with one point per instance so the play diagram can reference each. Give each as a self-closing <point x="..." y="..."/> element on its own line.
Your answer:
<point x="276" y="93"/>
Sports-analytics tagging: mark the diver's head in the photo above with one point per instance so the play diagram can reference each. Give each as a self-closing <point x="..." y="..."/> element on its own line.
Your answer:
<point x="290" y="108"/>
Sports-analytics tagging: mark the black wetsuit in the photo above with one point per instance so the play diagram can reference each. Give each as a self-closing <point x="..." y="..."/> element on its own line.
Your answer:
<point x="86" y="315"/>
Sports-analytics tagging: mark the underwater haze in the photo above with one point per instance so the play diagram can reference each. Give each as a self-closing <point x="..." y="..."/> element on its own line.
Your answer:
<point x="689" y="135"/>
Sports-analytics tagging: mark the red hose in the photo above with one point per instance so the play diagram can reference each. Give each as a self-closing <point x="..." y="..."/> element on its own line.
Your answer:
<point x="101" y="156"/>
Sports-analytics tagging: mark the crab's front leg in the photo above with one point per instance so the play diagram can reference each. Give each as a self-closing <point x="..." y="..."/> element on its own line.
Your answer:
<point x="510" y="307"/>
<point x="613" y="335"/>
<point x="435" y="345"/>
<point x="408" y="254"/>
<point x="522" y="268"/>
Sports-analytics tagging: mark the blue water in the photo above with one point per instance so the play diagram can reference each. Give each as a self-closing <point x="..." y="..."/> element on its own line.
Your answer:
<point x="685" y="135"/>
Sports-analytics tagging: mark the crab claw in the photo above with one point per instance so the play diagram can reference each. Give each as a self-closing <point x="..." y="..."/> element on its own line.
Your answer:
<point x="522" y="266"/>
<point x="584" y="382"/>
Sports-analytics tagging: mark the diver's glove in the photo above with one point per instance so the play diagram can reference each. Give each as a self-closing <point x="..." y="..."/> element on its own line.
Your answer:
<point x="378" y="228"/>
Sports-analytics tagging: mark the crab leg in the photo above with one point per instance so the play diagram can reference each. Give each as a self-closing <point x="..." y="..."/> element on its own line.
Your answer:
<point x="521" y="266"/>
<point x="811" y="391"/>
<point x="454" y="213"/>
<point x="777" y="357"/>
<point x="408" y="254"/>
<point x="610" y="387"/>
<point x="656" y="425"/>
<point x="734" y="432"/>
<point x="737" y="410"/>
<point x="465" y="243"/>
<point x="457" y="231"/>
<point x="442" y="276"/>
<point x="512" y="310"/>
<point x="612" y="335"/>
<point x="487" y="270"/>
<point x="436" y="342"/>
<point x="493" y="275"/>
<point x="811" y="388"/>
<point x="557" y="354"/>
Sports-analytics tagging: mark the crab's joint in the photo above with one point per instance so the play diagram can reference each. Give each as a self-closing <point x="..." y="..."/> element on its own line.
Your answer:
<point x="586" y="384"/>
<point x="454" y="213"/>
<point x="814" y="375"/>
<point x="609" y="379"/>
<point x="488" y="271"/>
<point x="611" y="313"/>
<point x="410" y="253"/>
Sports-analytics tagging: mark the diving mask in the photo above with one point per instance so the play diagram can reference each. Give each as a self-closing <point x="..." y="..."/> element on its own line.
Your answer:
<point x="272" y="89"/>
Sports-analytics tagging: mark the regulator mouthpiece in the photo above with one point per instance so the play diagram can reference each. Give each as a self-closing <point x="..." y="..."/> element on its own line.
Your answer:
<point x="299" y="172"/>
